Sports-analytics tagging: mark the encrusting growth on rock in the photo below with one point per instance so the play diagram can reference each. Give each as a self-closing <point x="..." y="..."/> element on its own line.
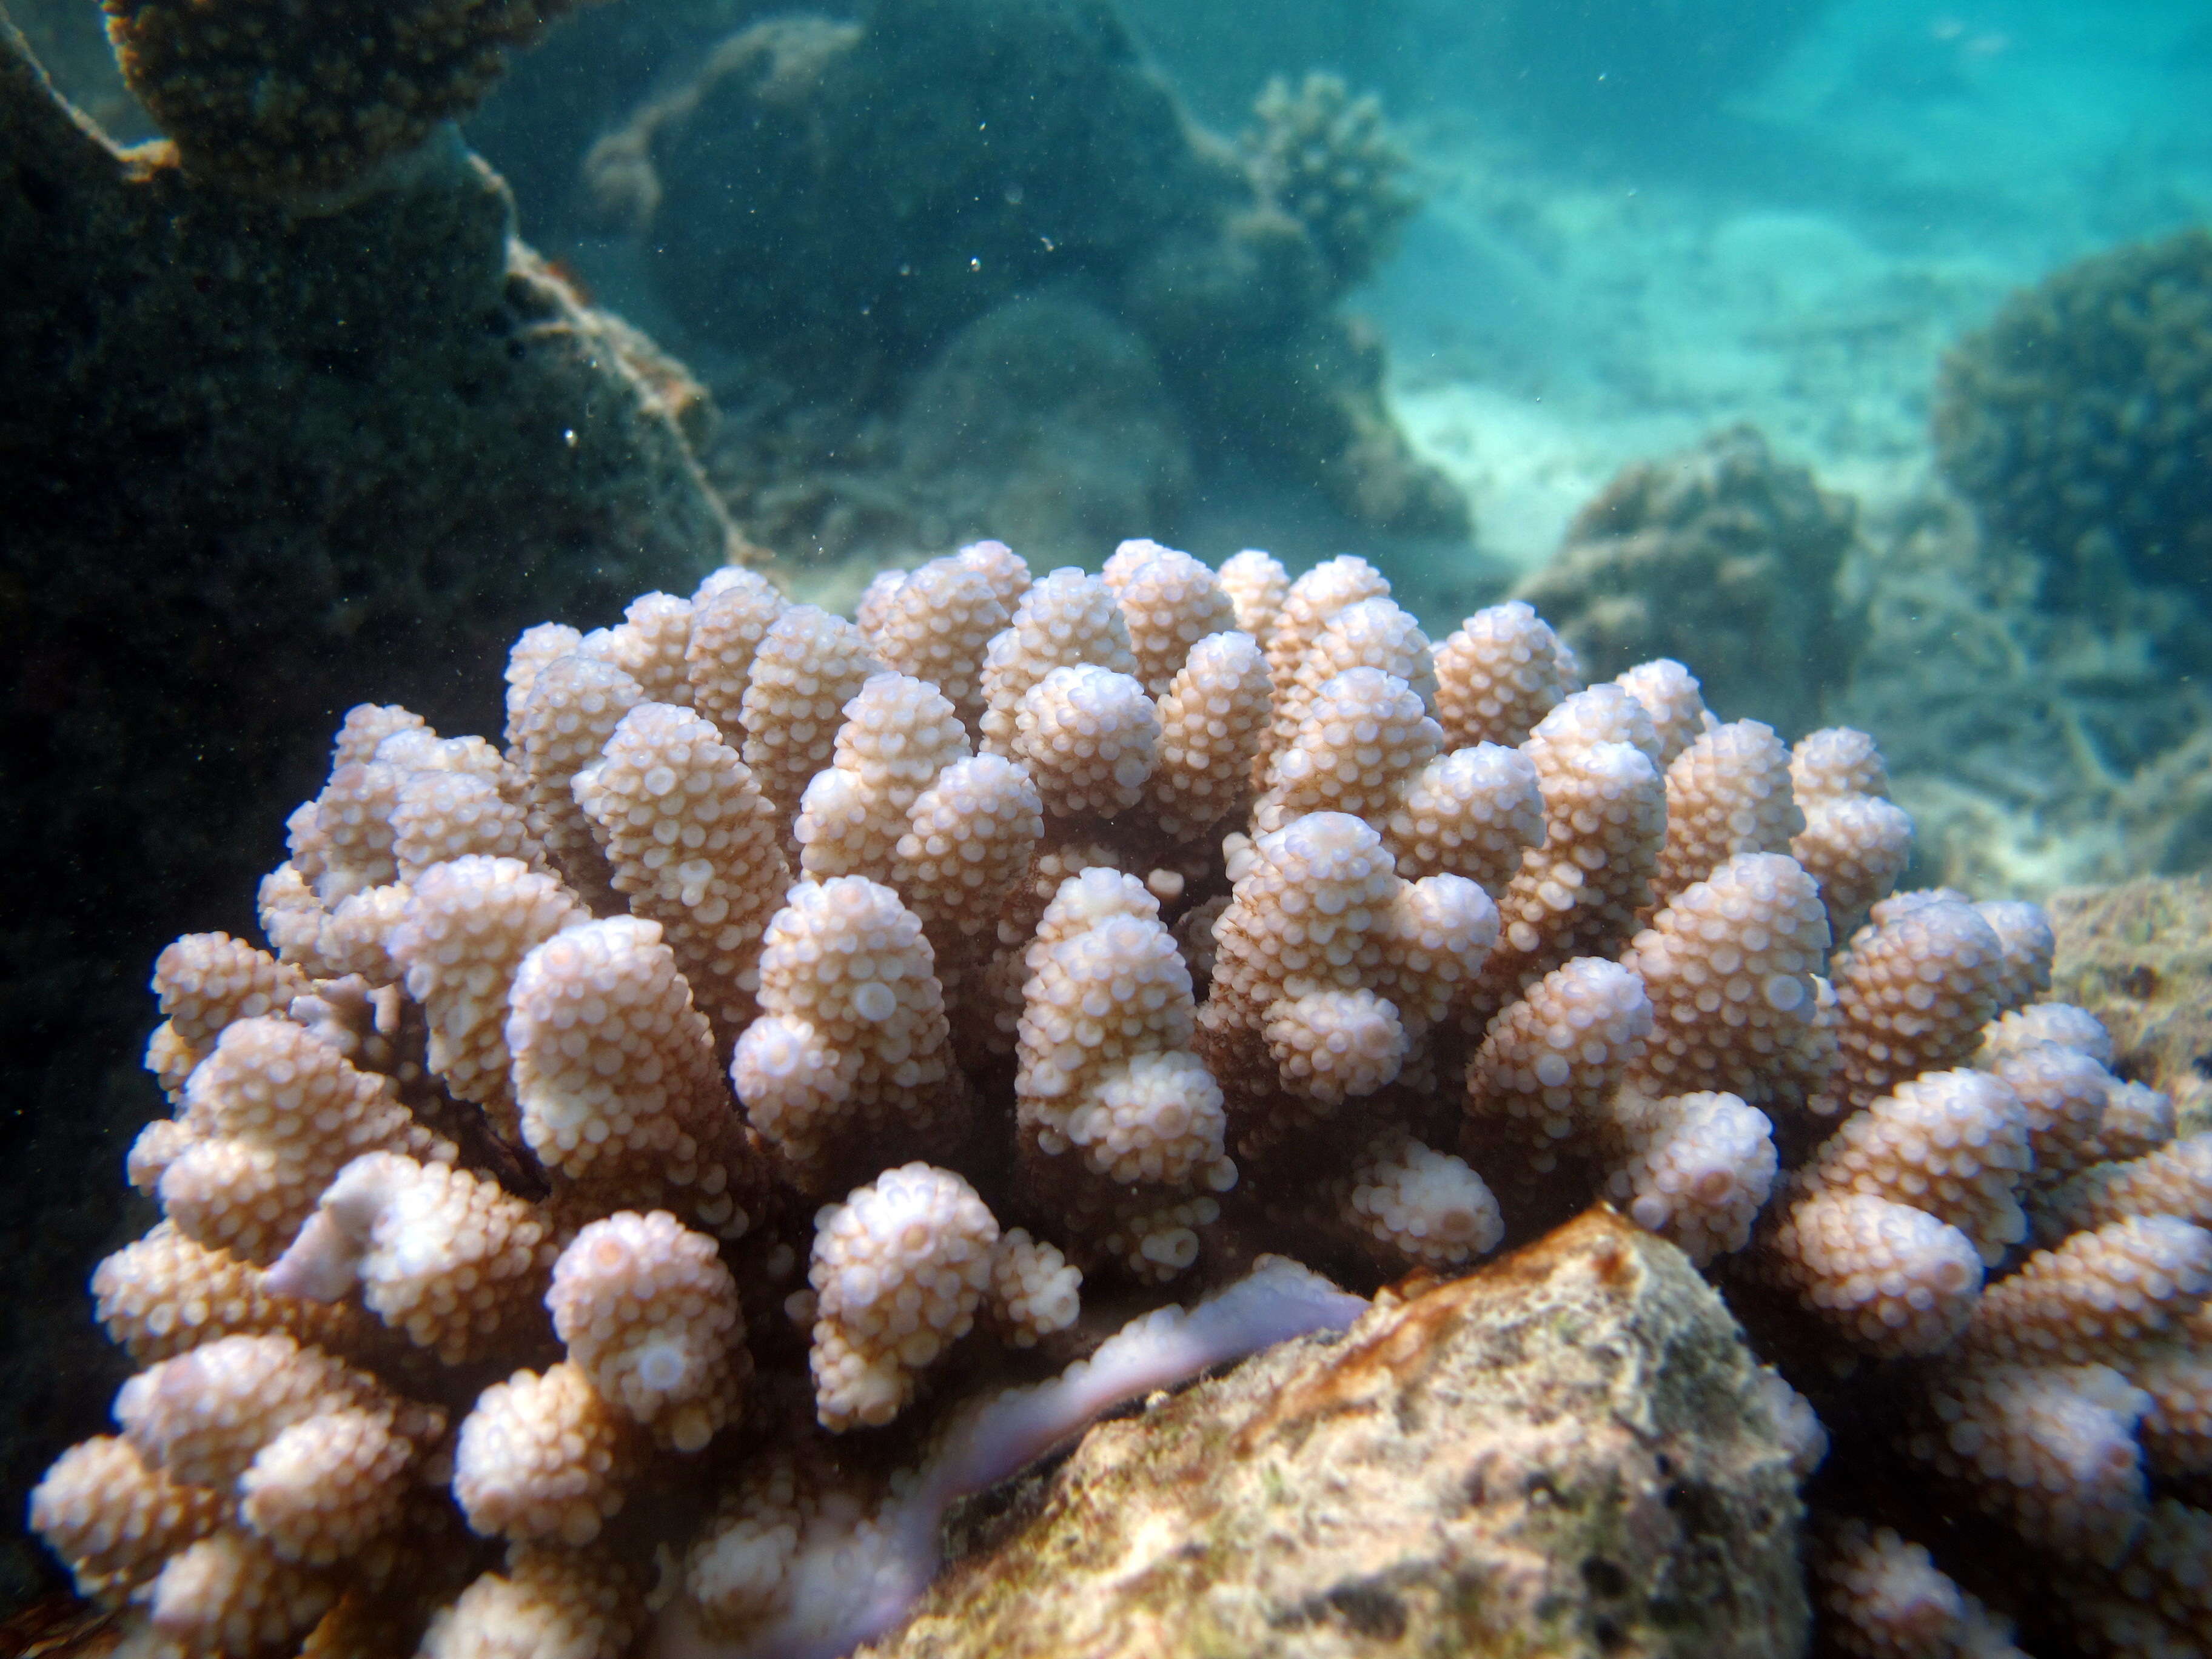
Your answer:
<point x="878" y="991"/>
<point x="288" y="114"/>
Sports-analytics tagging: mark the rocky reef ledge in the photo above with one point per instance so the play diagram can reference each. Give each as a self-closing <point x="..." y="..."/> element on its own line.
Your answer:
<point x="1572" y="1450"/>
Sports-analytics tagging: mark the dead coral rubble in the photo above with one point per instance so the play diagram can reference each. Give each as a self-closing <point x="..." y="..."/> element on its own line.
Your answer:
<point x="1041" y="1023"/>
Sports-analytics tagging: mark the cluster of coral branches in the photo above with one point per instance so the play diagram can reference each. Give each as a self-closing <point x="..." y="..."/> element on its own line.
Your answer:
<point x="794" y="1018"/>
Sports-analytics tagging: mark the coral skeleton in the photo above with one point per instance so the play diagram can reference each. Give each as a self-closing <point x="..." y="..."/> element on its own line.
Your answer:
<point x="771" y="1048"/>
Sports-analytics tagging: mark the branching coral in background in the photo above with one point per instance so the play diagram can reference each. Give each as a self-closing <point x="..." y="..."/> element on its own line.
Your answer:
<point x="1256" y="922"/>
<point x="1331" y="160"/>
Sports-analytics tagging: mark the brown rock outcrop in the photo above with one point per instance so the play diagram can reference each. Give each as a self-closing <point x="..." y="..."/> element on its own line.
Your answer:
<point x="1567" y="1453"/>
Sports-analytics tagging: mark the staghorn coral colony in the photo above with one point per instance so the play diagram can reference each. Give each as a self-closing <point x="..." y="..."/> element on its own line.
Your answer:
<point x="610" y="1202"/>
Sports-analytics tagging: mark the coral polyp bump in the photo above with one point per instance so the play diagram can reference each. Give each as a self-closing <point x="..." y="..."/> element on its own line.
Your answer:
<point x="681" y="1142"/>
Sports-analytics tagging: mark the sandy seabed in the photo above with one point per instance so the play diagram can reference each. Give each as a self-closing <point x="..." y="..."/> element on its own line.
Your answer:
<point x="1800" y="265"/>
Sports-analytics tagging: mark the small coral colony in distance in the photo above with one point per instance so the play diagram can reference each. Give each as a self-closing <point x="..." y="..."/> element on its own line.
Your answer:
<point x="661" y="1155"/>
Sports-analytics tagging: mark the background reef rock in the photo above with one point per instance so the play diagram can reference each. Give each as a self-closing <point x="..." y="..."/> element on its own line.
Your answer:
<point x="825" y="205"/>
<point x="1050" y="416"/>
<point x="2036" y="749"/>
<point x="2139" y="957"/>
<point x="1722" y="556"/>
<point x="70" y="44"/>
<point x="2078" y="422"/>
<point x="256" y="464"/>
<point x="2073" y="428"/>
<point x="1046" y="417"/>
<point x="832" y="198"/>
<point x="827" y="192"/>
<point x="1567" y="1452"/>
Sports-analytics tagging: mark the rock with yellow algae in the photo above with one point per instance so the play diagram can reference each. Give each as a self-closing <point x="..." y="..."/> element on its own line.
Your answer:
<point x="2139" y="957"/>
<point x="1568" y="1452"/>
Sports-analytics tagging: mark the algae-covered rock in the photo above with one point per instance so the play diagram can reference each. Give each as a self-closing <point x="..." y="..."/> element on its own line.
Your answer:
<point x="1724" y="556"/>
<point x="260" y="463"/>
<point x="826" y="191"/>
<point x="1566" y="1453"/>
<point x="257" y="464"/>
<point x="2077" y="422"/>
<point x="2139" y="957"/>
